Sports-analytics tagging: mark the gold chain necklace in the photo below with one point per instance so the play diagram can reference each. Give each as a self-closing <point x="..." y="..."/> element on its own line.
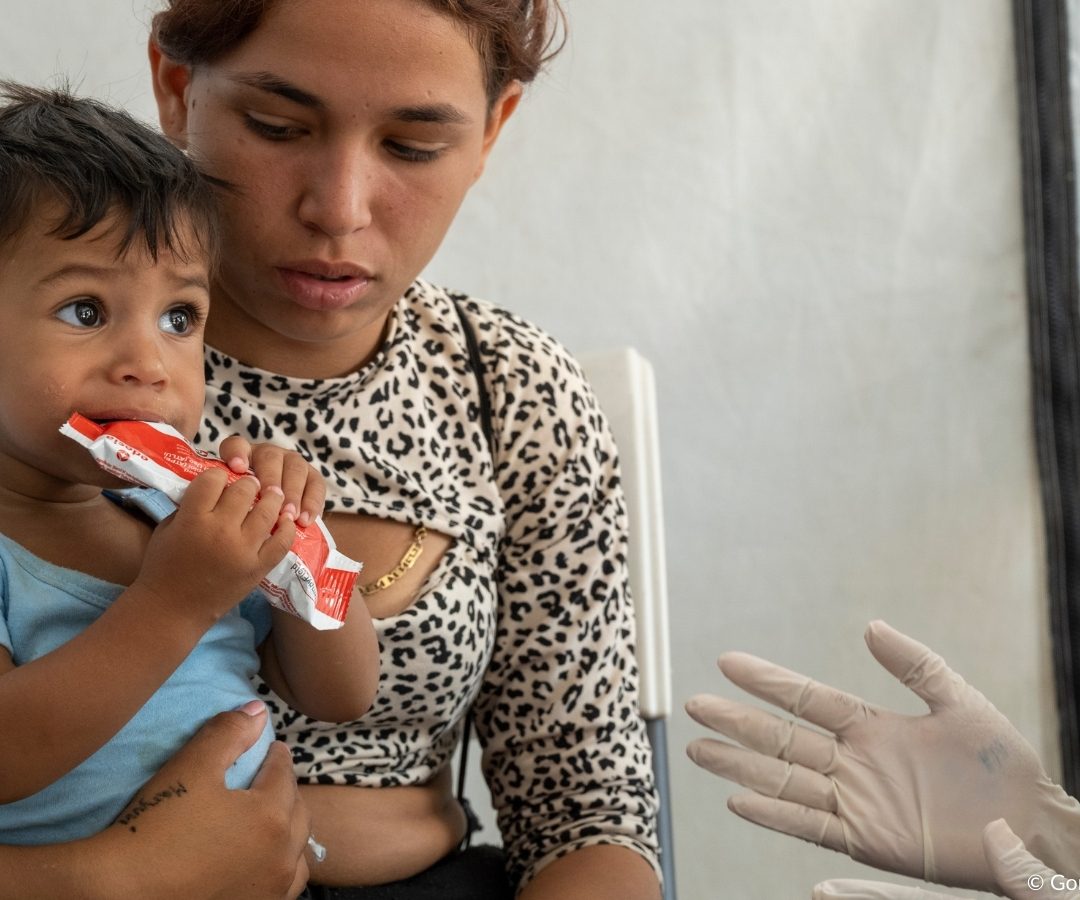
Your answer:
<point x="406" y="563"/>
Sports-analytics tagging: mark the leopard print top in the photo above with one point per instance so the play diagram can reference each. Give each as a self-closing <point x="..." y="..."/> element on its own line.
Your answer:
<point x="527" y="617"/>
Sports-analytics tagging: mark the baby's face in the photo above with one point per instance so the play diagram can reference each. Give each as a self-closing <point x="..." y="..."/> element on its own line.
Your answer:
<point x="82" y="330"/>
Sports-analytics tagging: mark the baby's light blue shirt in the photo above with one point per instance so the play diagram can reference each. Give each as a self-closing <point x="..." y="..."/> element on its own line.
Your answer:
<point x="42" y="606"/>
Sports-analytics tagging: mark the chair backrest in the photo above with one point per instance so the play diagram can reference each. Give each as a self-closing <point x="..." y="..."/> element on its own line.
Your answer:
<point x="625" y="386"/>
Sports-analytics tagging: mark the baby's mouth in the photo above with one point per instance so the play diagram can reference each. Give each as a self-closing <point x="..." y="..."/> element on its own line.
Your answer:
<point x="123" y="415"/>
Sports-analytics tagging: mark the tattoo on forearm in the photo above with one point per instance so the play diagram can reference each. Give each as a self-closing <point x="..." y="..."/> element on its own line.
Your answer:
<point x="141" y="804"/>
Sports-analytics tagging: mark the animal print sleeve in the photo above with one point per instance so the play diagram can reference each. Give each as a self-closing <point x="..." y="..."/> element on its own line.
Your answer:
<point x="565" y="751"/>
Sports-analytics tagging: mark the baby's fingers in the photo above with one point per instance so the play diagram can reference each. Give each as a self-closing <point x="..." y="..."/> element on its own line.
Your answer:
<point x="304" y="488"/>
<point x="267" y="462"/>
<point x="264" y="514"/>
<point x="235" y="451"/>
<point x="277" y="542"/>
<point x="268" y="529"/>
<point x="205" y="492"/>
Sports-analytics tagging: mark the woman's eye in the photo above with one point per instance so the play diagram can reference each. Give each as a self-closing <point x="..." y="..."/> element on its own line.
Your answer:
<point x="180" y="320"/>
<point x="81" y="313"/>
<point x="412" y="154"/>
<point x="271" y="131"/>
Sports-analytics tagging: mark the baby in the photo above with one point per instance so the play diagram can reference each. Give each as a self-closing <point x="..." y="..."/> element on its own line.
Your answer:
<point x="125" y="621"/>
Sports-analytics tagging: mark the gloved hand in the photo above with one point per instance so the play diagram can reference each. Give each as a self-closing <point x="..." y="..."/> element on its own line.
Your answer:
<point x="910" y="794"/>
<point x="1019" y="876"/>
<point x="857" y="889"/>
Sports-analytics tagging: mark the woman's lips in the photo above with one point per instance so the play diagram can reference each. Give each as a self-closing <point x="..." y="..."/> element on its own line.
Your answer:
<point x="323" y="288"/>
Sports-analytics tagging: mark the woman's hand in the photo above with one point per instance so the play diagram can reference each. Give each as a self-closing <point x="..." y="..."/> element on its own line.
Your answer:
<point x="186" y="835"/>
<point x="275" y="467"/>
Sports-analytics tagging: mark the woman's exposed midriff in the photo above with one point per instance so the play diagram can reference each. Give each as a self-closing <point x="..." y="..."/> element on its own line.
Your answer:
<point x="377" y="835"/>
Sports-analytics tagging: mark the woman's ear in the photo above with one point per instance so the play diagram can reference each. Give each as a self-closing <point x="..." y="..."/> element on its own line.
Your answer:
<point x="171" y="81"/>
<point x="501" y="110"/>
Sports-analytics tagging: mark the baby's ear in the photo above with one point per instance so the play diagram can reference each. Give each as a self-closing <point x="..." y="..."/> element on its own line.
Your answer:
<point x="171" y="81"/>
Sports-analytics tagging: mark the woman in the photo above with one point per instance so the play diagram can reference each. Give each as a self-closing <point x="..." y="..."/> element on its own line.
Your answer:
<point x="350" y="133"/>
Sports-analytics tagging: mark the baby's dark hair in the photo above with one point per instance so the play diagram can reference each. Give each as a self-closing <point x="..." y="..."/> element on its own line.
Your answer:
<point x="94" y="160"/>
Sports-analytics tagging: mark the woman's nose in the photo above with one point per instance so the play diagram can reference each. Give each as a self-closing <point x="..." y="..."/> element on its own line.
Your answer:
<point x="337" y="196"/>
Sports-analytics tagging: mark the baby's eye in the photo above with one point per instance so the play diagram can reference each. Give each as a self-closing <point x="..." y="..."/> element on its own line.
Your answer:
<point x="84" y="313"/>
<point x="179" y="320"/>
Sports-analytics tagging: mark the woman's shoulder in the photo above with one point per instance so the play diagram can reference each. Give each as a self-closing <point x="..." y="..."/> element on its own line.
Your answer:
<point x="507" y="340"/>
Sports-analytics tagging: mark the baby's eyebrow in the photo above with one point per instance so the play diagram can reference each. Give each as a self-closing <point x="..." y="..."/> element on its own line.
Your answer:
<point x="197" y="281"/>
<point x="87" y="270"/>
<point x="75" y="270"/>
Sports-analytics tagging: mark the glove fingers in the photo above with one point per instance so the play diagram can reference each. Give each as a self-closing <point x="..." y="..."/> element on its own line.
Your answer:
<point x="915" y="665"/>
<point x="1019" y="874"/>
<point x="763" y="774"/>
<point x="758" y="730"/>
<point x="817" y="703"/>
<point x="814" y="825"/>
<point x="857" y="889"/>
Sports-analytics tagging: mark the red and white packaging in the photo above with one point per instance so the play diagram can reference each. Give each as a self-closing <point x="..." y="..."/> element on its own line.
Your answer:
<point x="314" y="581"/>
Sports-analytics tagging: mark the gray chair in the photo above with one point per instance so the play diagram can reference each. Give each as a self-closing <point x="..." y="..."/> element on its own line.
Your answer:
<point x="625" y="386"/>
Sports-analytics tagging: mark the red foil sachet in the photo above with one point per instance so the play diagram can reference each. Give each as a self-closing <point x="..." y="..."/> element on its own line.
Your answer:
<point x="314" y="581"/>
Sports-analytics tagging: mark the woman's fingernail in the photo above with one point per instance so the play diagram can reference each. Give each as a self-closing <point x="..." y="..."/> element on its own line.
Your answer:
<point x="253" y="708"/>
<point x="238" y="464"/>
<point x="304" y="519"/>
<point x="290" y="510"/>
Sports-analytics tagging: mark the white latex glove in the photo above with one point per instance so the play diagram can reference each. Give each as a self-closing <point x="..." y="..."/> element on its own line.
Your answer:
<point x="910" y="794"/>
<point x="857" y="889"/>
<point x="1019" y="875"/>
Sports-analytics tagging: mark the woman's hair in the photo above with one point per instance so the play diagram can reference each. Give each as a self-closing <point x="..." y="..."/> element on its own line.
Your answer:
<point x="515" y="38"/>
<point x="94" y="161"/>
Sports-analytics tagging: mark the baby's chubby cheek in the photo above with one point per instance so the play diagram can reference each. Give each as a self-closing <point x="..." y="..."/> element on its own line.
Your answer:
<point x="52" y="389"/>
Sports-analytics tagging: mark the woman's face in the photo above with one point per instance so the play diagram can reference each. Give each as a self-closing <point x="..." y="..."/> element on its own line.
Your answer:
<point x="351" y="131"/>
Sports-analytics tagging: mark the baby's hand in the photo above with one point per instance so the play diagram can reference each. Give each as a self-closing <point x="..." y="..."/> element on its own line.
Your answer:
<point x="276" y="467"/>
<point x="218" y="545"/>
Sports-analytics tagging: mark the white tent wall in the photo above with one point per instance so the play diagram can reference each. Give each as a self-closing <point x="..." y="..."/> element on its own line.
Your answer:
<point x="806" y="213"/>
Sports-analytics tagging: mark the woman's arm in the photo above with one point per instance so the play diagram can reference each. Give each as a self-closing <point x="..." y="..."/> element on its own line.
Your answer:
<point x="599" y="872"/>
<point x="199" y="839"/>
<point x="566" y="754"/>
